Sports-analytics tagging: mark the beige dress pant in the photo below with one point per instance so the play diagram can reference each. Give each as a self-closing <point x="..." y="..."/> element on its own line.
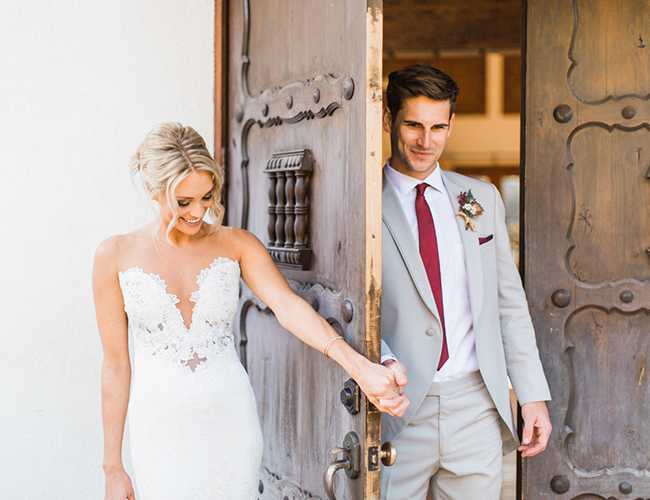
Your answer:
<point x="452" y="445"/>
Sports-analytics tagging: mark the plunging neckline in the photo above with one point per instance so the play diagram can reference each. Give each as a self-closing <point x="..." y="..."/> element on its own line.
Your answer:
<point x="200" y="279"/>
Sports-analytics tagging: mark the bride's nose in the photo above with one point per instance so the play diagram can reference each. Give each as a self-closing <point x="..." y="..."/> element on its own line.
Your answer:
<point x="197" y="212"/>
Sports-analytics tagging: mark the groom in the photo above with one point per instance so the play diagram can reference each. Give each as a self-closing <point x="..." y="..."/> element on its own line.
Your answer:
<point x="454" y="313"/>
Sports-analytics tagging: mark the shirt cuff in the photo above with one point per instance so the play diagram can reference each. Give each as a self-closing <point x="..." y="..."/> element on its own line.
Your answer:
<point x="386" y="357"/>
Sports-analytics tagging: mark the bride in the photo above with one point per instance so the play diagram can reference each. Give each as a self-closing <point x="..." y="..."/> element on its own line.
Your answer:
<point x="173" y="285"/>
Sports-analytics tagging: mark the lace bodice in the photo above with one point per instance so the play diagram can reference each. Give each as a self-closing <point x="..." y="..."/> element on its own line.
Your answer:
<point x="157" y="324"/>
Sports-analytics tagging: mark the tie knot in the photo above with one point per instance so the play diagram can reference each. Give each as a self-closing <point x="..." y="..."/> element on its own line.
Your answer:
<point x="421" y="188"/>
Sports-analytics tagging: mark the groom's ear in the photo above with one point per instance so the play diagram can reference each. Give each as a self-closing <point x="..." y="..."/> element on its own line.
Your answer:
<point x="452" y="119"/>
<point x="386" y="119"/>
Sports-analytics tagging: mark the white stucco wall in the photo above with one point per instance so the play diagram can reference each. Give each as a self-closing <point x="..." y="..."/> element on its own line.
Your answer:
<point x="81" y="83"/>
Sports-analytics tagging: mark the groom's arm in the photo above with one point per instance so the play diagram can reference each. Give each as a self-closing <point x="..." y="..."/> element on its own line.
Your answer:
<point x="522" y="356"/>
<point x="520" y="346"/>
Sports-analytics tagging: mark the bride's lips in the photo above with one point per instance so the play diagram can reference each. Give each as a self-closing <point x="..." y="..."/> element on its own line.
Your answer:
<point x="192" y="222"/>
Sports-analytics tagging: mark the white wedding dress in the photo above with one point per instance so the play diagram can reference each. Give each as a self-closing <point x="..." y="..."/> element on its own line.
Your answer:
<point x="194" y="429"/>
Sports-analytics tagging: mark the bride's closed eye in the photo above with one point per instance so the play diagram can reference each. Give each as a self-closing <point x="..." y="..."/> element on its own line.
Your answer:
<point x="207" y="197"/>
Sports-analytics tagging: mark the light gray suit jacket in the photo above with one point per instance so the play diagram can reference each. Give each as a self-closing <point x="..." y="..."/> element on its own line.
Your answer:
<point x="505" y="339"/>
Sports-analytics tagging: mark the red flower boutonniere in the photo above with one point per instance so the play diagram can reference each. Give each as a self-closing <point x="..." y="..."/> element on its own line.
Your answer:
<point x="469" y="208"/>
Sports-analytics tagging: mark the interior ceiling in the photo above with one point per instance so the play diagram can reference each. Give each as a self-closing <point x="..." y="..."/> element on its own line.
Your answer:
<point x="428" y="26"/>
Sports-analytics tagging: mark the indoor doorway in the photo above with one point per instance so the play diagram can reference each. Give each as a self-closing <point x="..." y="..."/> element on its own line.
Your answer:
<point x="479" y="44"/>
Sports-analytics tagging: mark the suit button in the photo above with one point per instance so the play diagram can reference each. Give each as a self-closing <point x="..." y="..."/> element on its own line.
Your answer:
<point x="430" y="332"/>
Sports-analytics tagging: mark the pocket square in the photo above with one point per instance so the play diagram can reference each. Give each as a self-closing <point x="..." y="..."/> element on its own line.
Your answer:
<point x="485" y="239"/>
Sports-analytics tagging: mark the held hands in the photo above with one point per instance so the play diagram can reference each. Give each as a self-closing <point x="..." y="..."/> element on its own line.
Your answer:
<point x="383" y="386"/>
<point x="118" y="485"/>
<point x="537" y="428"/>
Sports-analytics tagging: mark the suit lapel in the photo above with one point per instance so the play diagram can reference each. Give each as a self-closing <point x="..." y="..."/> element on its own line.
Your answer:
<point x="395" y="220"/>
<point x="471" y="248"/>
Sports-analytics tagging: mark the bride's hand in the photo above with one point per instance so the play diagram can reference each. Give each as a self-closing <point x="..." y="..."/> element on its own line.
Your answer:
<point x="382" y="385"/>
<point x="118" y="485"/>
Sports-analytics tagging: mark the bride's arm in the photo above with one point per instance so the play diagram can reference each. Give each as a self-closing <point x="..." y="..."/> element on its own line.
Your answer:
<point x="116" y="368"/>
<point x="381" y="385"/>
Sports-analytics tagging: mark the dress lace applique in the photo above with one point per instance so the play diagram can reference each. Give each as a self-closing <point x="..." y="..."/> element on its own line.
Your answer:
<point x="157" y="324"/>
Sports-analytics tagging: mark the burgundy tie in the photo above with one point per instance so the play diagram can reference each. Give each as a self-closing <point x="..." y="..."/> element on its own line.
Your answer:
<point x="429" y="253"/>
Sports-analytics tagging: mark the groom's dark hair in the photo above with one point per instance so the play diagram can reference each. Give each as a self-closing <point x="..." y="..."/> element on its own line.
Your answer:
<point x="419" y="80"/>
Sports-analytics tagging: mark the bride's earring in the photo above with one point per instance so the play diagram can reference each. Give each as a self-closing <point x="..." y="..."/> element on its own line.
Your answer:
<point x="154" y="200"/>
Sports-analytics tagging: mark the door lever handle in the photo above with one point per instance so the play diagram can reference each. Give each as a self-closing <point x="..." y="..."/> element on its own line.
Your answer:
<point x="328" y="475"/>
<point x="351" y="463"/>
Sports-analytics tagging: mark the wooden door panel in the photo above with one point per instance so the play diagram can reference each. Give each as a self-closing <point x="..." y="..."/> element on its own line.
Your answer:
<point x="592" y="50"/>
<point x="608" y="409"/>
<point x="300" y="420"/>
<point x="608" y="174"/>
<point x="304" y="176"/>
<point x="586" y="266"/>
<point x="290" y="40"/>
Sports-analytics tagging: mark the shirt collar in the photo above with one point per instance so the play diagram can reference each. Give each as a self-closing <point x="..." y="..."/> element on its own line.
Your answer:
<point x="404" y="184"/>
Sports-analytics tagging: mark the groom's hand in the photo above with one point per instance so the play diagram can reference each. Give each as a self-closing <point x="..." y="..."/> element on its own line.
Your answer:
<point x="396" y="406"/>
<point x="399" y="372"/>
<point x="537" y="428"/>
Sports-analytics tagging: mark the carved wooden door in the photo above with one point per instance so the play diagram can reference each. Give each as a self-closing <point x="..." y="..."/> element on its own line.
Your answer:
<point x="304" y="175"/>
<point x="587" y="241"/>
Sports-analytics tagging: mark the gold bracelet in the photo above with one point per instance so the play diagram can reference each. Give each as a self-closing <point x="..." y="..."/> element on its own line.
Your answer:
<point x="327" y="346"/>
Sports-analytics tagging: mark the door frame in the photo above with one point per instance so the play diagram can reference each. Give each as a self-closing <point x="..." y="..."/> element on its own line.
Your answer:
<point x="220" y="118"/>
<point x="522" y="218"/>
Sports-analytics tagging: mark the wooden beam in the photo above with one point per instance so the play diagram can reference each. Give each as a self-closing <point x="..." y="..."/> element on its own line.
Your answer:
<point x="418" y="26"/>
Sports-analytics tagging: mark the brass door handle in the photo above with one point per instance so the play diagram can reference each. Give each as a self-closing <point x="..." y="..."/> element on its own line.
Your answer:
<point x="351" y="463"/>
<point x="328" y="475"/>
<point x="388" y="454"/>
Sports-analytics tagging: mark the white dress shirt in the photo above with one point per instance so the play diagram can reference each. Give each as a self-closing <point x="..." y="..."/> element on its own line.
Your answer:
<point x="455" y="292"/>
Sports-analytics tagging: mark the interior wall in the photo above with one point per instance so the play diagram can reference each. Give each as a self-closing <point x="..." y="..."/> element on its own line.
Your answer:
<point x="489" y="139"/>
<point x="81" y="83"/>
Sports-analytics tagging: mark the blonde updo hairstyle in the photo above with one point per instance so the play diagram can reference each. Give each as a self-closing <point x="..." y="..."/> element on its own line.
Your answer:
<point x="170" y="153"/>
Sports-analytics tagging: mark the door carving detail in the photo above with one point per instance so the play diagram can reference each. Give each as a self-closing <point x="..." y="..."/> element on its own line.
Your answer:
<point x="600" y="437"/>
<point x="607" y="159"/>
<point x="273" y="487"/>
<point x="289" y="174"/>
<point x="243" y="334"/>
<point x="626" y="63"/>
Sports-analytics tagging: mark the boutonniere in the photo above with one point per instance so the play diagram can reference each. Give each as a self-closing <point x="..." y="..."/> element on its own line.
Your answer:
<point x="469" y="208"/>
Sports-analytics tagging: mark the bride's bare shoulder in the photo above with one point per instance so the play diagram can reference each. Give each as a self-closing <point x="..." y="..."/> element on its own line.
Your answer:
<point x="242" y="243"/>
<point x="113" y="250"/>
<point x="237" y="237"/>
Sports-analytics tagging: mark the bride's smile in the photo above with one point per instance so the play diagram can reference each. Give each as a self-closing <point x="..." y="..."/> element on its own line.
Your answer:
<point x="193" y="198"/>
